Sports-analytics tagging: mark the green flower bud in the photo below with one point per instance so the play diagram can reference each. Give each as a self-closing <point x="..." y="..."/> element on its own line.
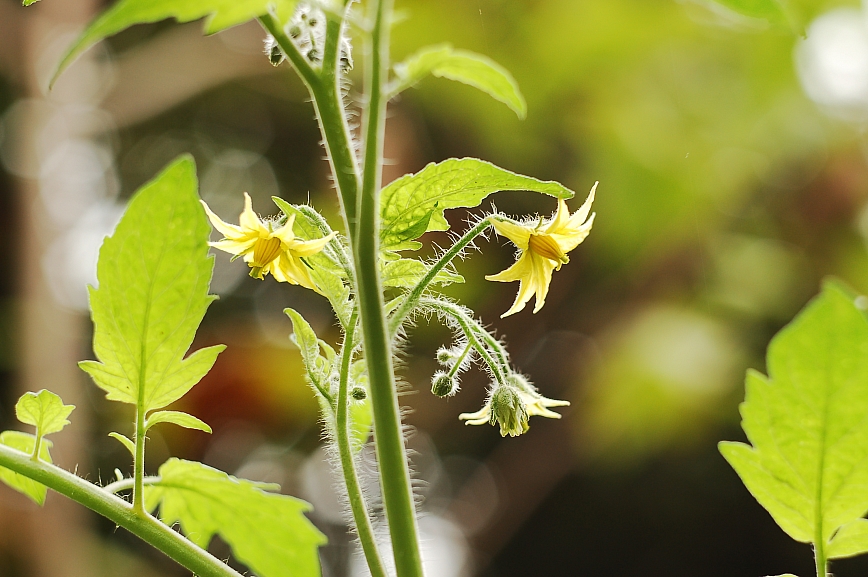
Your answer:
<point x="508" y="410"/>
<point x="446" y="356"/>
<point x="443" y="385"/>
<point x="295" y="31"/>
<point x="359" y="393"/>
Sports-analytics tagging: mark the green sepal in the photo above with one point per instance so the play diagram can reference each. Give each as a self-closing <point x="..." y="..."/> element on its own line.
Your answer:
<point x="453" y="183"/>
<point x="807" y="423"/>
<point x="268" y="532"/>
<point x="25" y="443"/>
<point x="463" y="66"/>
<point x="407" y="272"/>
<point x="44" y="410"/>
<point x="153" y="273"/>
<point x="125" y="441"/>
<point x="176" y="418"/>
<point x="218" y="14"/>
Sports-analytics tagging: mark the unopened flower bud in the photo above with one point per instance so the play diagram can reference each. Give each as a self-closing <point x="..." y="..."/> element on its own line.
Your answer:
<point x="446" y="356"/>
<point x="443" y="384"/>
<point x="295" y="31"/>
<point x="508" y="410"/>
<point x="359" y="393"/>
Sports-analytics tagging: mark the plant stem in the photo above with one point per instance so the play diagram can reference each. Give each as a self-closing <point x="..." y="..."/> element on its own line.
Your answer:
<point x="114" y="508"/>
<point x="820" y="559"/>
<point x="354" y="492"/>
<point x="127" y="484"/>
<point x="139" y="461"/>
<point x="391" y="452"/>
<point x="412" y="299"/>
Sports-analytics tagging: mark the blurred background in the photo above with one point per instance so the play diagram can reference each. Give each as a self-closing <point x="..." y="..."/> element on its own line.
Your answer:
<point x="732" y="167"/>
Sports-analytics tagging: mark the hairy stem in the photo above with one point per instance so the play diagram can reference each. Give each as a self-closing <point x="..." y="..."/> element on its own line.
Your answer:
<point x="358" y="506"/>
<point x="127" y="484"/>
<point x="412" y="299"/>
<point x="391" y="452"/>
<point x="114" y="508"/>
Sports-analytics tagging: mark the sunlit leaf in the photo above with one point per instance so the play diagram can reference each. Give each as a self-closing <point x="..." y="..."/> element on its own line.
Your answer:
<point x="44" y="410"/>
<point x="153" y="276"/>
<point x="176" y="418"/>
<point x="467" y="67"/>
<point x="316" y="365"/>
<point x="407" y="272"/>
<point x="25" y="443"/>
<point x="218" y="14"/>
<point x="268" y="532"/>
<point x="808" y="424"/>
<point x="774" y="11"/>
<point x="453" y="183"/>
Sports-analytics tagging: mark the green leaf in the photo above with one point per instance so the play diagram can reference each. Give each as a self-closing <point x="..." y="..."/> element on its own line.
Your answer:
<point x="851" y="539"/>
<point x="44" y="410"/>
<point x="316" y="365"/>
<point x="25" y="443"/>
<point x="125" y="441"/>
<point x="469" y="68"/>
<point x="218" y="14"/>
<point x="407" y="272"/>
<point x="29" y="2"/>
<point x="453" y="183"/>
<point x="153" y="276"/>
<point x="176" y="418"/>
<point x="808" y="424"/>
<point x="268" y="532"/>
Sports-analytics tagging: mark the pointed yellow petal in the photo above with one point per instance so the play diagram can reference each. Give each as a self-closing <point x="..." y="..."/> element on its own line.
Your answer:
<point x="285" y="233"/>
<point x="234" y="246"/>
<point x="295" y="271"/>
<point x="580" y="215"/>
<point x="568" y="239"/>
<point x="560" y="218"/>
<point x="542" y="277"/>
<point x="248" y="219"/>
<point x="310" y="247"/>
<point x="519" y="270"/>
<point x="517" y="233"/>
<point x="229" y="231"/>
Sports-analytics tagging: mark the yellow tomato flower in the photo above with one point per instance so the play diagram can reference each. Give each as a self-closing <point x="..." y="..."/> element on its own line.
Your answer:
<point x="512" y="406"/>
<point x="266" y="249"/>
<point x="544" y="248"/>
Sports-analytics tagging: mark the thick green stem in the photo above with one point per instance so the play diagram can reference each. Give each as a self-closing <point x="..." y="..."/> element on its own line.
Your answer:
<point x="391" y="452"/>
<point x="358" y="506"/>
<point x="119" y="511"/>
<point x="412" y="299"/>
<point x="820" y="558"/>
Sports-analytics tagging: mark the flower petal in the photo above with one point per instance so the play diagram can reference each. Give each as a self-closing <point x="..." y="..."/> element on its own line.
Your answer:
<point x="294" y="271"/>
<point x="229" y="231"/>
<point x="517" y="233"/>
<point x="248" y="220"/>
<point x="236" y="247"/>
<point x="568" y="239"/>
<point x="578" y="218"/>
<point x="542" y="277"/>
<point x="560" y="218"/>
<point x="310" y="247"/>
<point x="285" y="233"/>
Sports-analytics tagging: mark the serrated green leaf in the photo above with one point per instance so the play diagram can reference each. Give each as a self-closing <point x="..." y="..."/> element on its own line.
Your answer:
<point x="125" y="441"/>
<point x="218" y="14"/>
<point x="808" y="422"/>
<point x="176" y="418"/>
<point x="44" y="410"/>
<point x="407" y="272"/>
<point x="463" y="66"/>
<point x="153" y="276"/>
<point x="268" y="532"/>
<point x="453" y="183"/>
<point x="25" y="443"/>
